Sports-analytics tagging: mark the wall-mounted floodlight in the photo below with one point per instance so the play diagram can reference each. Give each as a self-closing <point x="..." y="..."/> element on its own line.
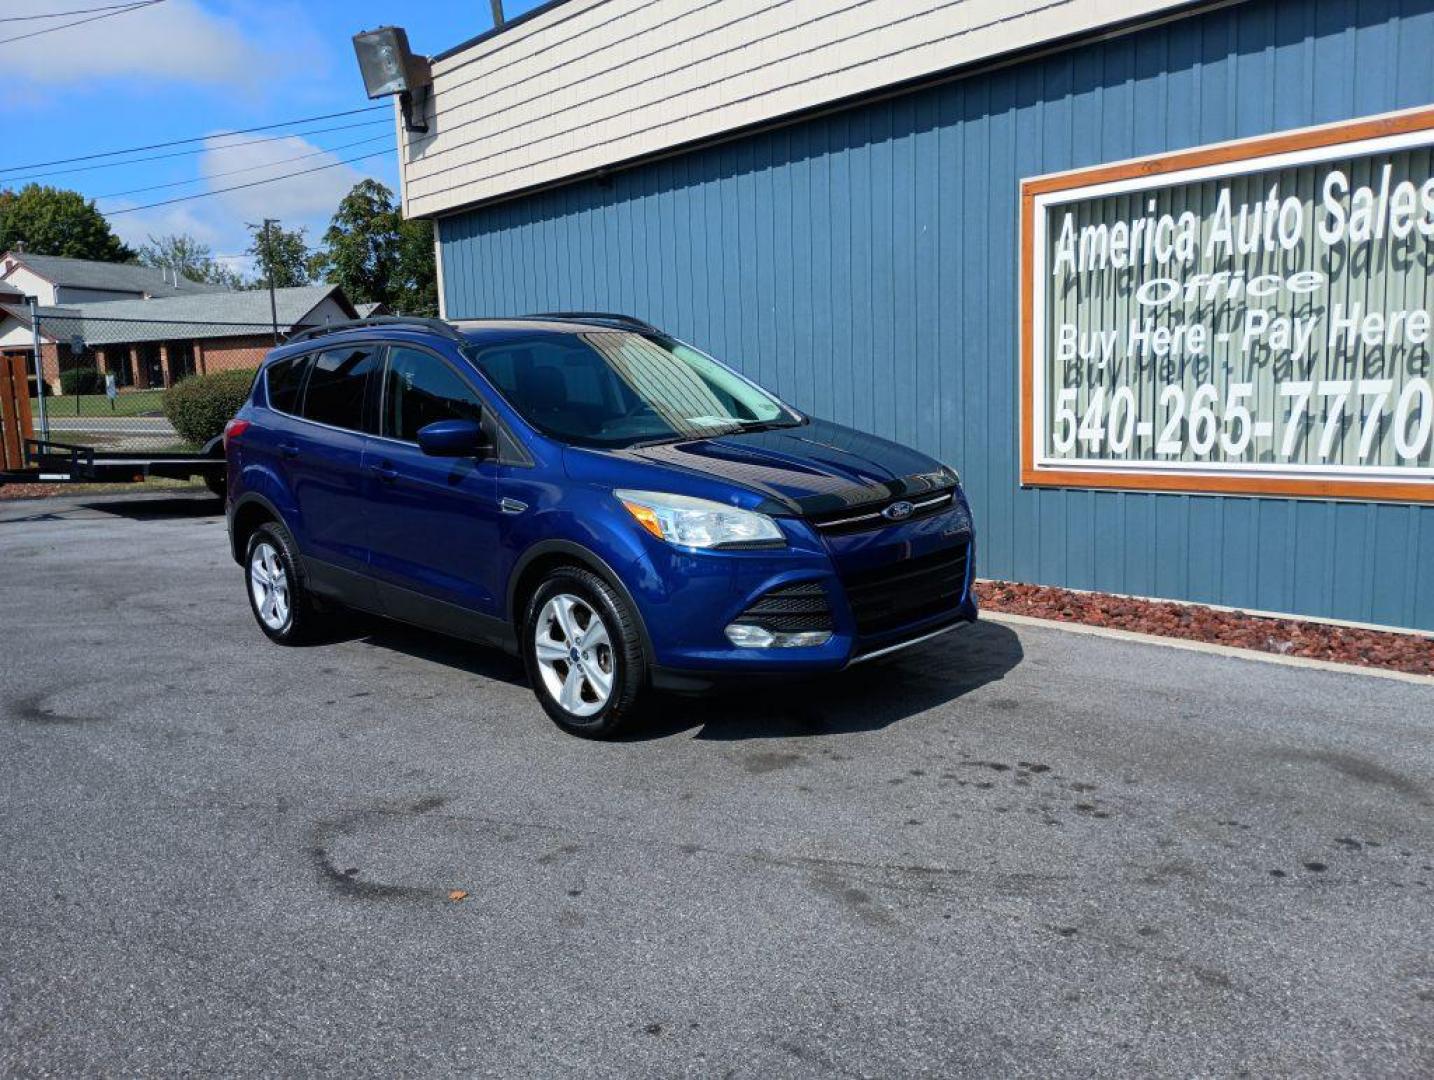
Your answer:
<point x="389" y="67"/>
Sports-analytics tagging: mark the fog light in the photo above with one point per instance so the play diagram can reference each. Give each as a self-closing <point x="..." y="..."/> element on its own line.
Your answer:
<point x="745" y="636"/>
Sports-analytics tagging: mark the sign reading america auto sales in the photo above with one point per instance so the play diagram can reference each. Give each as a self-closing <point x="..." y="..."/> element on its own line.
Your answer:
<point x="1254" y="317"/>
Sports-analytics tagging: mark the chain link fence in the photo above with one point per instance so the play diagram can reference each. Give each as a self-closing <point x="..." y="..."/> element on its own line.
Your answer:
<point x="105" y="379"/>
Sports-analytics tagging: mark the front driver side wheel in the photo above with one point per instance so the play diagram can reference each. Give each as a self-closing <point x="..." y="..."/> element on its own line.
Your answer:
<point x="583" y="652"/>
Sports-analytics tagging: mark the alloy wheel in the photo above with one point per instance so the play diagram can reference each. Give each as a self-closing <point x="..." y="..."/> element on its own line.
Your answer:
<point x="270" y="586"/>
<point x="575" y="655"/>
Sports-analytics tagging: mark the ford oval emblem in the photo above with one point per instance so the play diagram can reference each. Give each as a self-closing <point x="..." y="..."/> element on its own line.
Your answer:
<point x="898" y="511"/>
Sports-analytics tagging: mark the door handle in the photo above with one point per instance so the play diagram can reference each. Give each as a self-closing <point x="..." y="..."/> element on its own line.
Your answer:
<point x="288" y="451"/>
<point x="384" y="471"/>
<point x="511" y="506"/>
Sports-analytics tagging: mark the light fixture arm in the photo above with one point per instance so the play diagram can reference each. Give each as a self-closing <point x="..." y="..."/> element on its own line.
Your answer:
<point x="413" y="104"/>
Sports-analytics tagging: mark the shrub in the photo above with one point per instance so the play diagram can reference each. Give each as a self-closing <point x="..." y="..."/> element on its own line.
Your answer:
<point x="200" y="405"/>
<point x="81" y="381"/>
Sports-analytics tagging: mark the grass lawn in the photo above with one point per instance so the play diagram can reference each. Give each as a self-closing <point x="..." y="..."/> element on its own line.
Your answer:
<point x="128" y="403"/>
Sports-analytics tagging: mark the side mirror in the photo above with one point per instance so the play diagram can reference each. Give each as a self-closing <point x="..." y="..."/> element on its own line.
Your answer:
<point x="453" y="438"/>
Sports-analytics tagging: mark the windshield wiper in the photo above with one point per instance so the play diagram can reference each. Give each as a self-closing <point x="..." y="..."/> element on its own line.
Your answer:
<point x="737" y="427"/>
<point x="661" y="440"/>
<point x="767" y="425"/>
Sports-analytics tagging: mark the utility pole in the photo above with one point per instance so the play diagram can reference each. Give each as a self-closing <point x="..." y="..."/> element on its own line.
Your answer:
<point x="34" y="302"/>
<point x="269" y="273"/>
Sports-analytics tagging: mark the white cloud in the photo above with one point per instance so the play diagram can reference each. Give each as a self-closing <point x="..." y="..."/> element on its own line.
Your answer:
<point x="324" y="181"/>
<point x="220" y="220"/>
<point x="136" y="229"/>
<point x="174" y="41"/>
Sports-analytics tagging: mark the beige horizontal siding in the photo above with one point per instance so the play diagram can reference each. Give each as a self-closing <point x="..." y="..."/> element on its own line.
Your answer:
<point x="595" y="82"/>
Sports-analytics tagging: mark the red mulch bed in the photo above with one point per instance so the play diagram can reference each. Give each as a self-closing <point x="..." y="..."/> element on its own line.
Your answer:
<point x="29" y="491"/>
<point x="1411" y="653"/>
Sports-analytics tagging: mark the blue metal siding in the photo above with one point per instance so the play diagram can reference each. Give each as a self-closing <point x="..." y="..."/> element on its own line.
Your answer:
<point x="864" y="265"/>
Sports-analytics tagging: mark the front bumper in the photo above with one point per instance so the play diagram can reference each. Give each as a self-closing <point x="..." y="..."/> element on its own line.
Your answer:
<point x="687" y="599"/>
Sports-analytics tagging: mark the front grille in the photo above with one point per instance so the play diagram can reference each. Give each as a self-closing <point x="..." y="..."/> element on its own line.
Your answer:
<point x="839" y="522"/>
<point x="790" y="610"/>
<point x="903" y="592"/>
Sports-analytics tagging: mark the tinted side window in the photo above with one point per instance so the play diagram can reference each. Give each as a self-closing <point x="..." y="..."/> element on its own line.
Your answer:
<point x="421" y="389"/>
<point x="285" y="381"/>
<point x="335" y="393"/>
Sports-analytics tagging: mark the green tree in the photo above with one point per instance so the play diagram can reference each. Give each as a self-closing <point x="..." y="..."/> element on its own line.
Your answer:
<point x="376" y="256"/>
<point x="192" y="258"/>
<point x="53" y="221"/>
<point x="417" y="269"/>
<point x="285" y="250"/>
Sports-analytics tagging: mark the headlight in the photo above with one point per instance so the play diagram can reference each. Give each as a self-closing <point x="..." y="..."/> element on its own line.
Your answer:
<point x="699" y="523"/>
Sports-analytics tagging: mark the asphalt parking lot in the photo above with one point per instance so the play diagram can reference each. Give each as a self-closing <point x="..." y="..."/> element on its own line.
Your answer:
<point x="1013" y="852"/>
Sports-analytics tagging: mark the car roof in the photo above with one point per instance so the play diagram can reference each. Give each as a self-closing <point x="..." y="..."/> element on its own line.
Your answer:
<point x="497" y="331"/>
<point x="475" y="331"/>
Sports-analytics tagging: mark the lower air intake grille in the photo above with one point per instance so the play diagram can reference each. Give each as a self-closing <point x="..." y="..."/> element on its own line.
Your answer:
<point x="891" y="596"/>
<point x="791" y="610"/>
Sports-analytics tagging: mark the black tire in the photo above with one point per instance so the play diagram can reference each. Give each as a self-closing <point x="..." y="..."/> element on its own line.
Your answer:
<point x="216" y="483"/>
<point x="303" y="621"/>
<point x="629" y="665"/>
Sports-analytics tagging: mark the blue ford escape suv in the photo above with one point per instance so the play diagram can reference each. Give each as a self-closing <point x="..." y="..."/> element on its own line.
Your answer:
<point x="583" y="489"/>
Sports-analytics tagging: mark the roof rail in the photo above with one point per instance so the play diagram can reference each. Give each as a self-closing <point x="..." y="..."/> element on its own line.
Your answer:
<point x="436" y="326"/>
<point x="594" y="316"/>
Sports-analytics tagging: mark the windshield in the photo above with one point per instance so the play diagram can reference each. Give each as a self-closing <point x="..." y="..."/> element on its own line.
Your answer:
<point x="616" y="388"/>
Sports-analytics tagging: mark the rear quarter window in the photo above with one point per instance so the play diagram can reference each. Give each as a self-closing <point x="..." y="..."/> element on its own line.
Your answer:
<point x="284" y="382"/>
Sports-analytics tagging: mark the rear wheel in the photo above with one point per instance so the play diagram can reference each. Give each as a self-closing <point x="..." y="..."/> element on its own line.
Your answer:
<point x="584" y="653"/>
<point x="281" y="604"/>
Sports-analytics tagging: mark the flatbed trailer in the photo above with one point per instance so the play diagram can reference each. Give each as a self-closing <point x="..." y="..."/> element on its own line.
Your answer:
<point x="48" y="462"/>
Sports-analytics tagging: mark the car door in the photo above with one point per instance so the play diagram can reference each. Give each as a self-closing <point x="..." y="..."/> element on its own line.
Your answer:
<point x="323" y="450"/>
<point x="434" y="522"/>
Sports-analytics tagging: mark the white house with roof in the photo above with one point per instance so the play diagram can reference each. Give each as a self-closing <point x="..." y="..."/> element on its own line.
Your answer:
<point x="56" y="280"/>
<point x="145" y="329"/>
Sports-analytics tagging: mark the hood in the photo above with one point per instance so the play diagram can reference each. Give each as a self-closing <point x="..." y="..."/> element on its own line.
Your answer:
<point x="814" y="468"/>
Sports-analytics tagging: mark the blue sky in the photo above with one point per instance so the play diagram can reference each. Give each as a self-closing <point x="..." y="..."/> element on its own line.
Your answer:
<point x="185" y="68"/>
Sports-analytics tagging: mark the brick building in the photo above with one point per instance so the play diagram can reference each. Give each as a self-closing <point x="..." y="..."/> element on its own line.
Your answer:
<point x="146" y="329"/>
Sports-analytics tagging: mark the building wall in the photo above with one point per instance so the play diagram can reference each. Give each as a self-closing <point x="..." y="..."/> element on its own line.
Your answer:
<point x="225" y="354"/>
<point x="590" y="83"/>
<point x="326" y="311"/>
<point x="15" y="335"/>
<point x="70" y="294"/>
<point x="232" y="354"/>
<point x="864" y="265"/>
<point x="31" y="284"/>
<point x="50" y="359"/>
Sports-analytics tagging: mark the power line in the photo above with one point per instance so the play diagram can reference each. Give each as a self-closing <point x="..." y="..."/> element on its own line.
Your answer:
<point x="247" y="168"/>
<point x="195" y="150"/>
<point x="193" y="138"/>
<point x="80" y="22"/>
<point x="63" y="14"/>
<point x="240" y="187"/>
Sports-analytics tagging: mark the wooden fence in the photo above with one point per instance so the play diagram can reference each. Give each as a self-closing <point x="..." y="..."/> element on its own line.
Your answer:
<point x="16" y="424"/>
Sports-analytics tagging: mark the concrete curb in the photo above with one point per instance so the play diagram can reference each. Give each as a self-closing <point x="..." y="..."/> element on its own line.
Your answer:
<point x="1200" y="646"/>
